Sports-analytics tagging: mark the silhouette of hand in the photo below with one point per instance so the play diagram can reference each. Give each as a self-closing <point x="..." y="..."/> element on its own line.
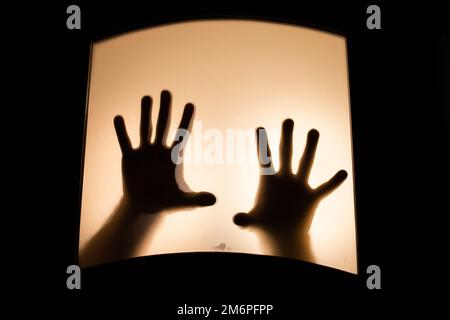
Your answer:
<point x="285" y="203"/>
<point x="151" y="178"/>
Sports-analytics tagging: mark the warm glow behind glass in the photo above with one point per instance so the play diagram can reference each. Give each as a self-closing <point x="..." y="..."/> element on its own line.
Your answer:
<point x="239" y="75"/>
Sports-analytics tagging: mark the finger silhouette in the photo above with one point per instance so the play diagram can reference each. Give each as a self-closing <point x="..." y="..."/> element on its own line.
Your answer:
<point x="263" y="149"/>
<point x="286" y="147"/>
<point x="327" y="187"/>
<point x="307" y="160"/>
<point x="198" y="199"/>
<point x="244" y="219"/>
<point x="163" y="118"/>
<point x="122" y="135"/>
<point x="185" y="123"/>
<point x="146" y="122"/>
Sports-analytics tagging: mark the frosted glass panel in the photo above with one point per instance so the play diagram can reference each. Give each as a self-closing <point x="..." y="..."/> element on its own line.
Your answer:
<point x="239" y="75"/>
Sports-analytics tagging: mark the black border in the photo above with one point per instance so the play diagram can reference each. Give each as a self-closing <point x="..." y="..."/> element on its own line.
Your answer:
<point x="399" y="80"/>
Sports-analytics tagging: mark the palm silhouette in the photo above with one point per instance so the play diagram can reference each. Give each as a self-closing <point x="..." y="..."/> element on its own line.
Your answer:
<point x="285" y="203"/>
<point x="151" y="178"/>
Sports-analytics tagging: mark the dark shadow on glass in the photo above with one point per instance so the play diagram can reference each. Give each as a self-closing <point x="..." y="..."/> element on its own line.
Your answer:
<point x="285" y="203"/>
<point x="151" y="184"/>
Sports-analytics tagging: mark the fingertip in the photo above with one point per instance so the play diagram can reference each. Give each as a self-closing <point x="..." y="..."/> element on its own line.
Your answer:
<point x="260" y="132"/>
<point x="241" y="219"/>
<point x="206" y="199"/>
<point x="189" y="107"/>
<point x="146" y="100"/>
<point x="118" y="120"/>
<point x="288" y="124"/>
<point x="342" y="175"/>
<point x="165" y="93"/>
<point x="313" y="134"/>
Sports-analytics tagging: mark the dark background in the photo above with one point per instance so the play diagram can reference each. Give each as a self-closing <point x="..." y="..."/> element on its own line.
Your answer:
<point x="399" y="82"/>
